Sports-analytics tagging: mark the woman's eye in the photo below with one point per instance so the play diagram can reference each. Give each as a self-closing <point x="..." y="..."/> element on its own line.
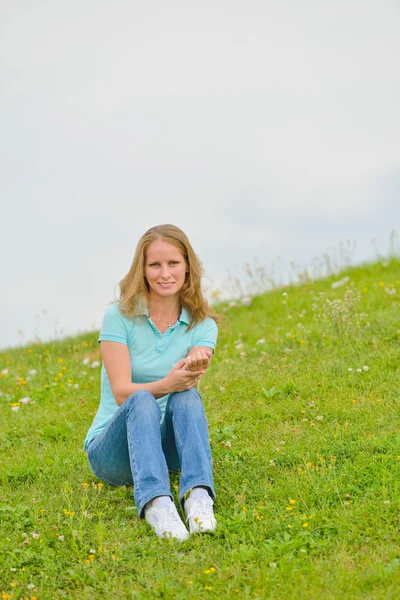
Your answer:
<point x="154" y="264"/>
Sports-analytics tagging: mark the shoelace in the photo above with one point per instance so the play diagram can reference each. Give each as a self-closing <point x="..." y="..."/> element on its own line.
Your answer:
<point x="169" y="518"/>
<point x="201" y="509"/>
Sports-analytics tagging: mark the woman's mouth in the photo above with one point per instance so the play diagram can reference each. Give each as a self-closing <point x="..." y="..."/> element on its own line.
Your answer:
<point x="167" y="285"/>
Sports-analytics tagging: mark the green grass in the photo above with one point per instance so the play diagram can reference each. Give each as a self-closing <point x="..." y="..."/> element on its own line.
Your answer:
<point x="306" y="460"/>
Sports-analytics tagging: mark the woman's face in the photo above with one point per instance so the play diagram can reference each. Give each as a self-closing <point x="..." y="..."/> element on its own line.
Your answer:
<point x="165" y="269"/>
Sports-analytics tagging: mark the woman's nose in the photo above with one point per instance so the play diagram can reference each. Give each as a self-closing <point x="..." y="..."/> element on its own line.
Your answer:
<point x="165" y="272"/>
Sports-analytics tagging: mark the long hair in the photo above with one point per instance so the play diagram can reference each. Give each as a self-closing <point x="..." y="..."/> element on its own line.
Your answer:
<point x="134" y="288"/>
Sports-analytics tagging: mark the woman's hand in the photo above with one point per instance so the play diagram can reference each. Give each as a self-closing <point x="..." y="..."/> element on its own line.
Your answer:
<point x="199" y="360"/>
<point x="180" y="379"/>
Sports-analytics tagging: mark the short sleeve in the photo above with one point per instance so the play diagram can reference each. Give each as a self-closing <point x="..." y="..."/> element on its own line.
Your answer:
<point x="115" y="327"/>
<point x="205" y="334"/>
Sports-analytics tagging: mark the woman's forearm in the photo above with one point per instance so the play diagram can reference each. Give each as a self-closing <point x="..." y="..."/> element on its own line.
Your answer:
<point x="157" y="388"/>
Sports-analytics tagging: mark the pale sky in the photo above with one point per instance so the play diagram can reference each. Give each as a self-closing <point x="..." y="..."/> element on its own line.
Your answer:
<point x="262" y="128"/>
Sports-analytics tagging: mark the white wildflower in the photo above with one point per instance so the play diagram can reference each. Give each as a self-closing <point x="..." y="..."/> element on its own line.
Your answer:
<point x="349" y="369"/>
<point x="76" y="386"/>
<point x="30" y="586"/>
<point x="4" y="372"/>
<point x="271" y="463"/>
<point x="261" y="341"/>
<point x="386" y="502"/>
<point x="61" y="538"/>
<point x="221" y="388"/>
<point x="238" y="346"/>
<point x="246" y="300"/>
<point x="284" y="294"/>
<point x="359" y="370"/>
<point x="25" y="400"/>
<point x="340" y="282"/>
<point x="272" y="565"/>
<point x="232" y="303"/>
<point x="95" y="364"/>
<point x="32" y="372"/>
<point x="319" y="418"/>
<point x="92" y="551"/>
<point x="365" y="368"/>
<point x="35" y="535"/>
<point x="86" y="360"/>
<point x="15" y="408"/>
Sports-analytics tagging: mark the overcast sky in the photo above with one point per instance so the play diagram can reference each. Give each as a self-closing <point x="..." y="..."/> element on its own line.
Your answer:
<point x="262" y="128"/>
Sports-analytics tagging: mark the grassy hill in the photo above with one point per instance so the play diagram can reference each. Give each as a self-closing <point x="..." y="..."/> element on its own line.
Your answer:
<point x="302" y="403"/>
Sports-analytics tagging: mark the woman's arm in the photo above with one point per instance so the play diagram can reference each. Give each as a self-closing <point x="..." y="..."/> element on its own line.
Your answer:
<point x="117" y="364"/>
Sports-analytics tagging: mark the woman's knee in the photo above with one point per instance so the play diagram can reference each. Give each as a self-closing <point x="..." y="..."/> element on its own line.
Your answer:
<point x="143" y="402"/>
<point x="189" y="400"/>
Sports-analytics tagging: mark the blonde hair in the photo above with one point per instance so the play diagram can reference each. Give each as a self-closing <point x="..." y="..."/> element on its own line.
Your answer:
<point x="134" y="288"/>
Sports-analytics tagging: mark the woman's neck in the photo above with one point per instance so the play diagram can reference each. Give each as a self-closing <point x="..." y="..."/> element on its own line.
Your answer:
<point x="167" y="308"/>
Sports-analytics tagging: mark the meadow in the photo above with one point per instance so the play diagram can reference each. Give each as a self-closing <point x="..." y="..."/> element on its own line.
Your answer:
<point x="302" y="404"/>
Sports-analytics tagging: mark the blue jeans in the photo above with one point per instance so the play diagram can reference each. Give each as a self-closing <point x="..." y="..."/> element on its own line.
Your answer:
<point x="134" y="449"/>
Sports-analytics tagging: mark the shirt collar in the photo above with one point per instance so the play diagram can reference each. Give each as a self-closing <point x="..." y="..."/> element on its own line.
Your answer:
<point x="185" y="316"/>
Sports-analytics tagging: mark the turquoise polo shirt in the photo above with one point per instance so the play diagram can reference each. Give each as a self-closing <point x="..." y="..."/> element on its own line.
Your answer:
<point x="152" y="353"/>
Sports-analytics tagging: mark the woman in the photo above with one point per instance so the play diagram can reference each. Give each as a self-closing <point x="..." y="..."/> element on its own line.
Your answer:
<point x="156" y="344"/>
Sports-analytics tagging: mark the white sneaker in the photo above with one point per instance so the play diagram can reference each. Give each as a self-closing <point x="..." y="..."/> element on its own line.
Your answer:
<point x="199" y="512"/>
<point x="165" y="520"/>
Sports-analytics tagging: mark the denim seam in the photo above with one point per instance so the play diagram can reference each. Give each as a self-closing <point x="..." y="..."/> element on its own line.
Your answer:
<point x="132" y="459"/>
<point x="176" y="433"/>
